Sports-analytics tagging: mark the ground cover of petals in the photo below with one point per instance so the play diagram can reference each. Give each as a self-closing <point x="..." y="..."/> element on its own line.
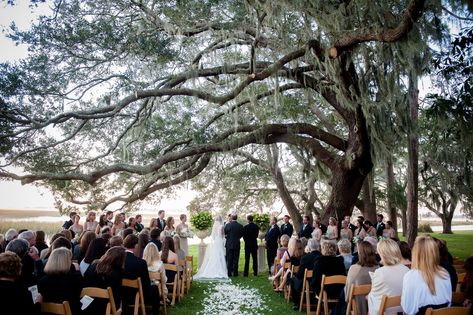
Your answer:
<point x="233" y="299"/>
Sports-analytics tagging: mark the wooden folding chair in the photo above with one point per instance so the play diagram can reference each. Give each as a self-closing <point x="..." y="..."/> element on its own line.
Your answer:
<point x="157" y="278"/>
<point x="387" y="302"/>
<point x="323" y="297"/>
<point x="189" y="271"/>
<point x="277" y="261"/>
<point x="105" y="294"/>
<point x="173" y="287"/>
<point x="305" y="292"/>
<point x="182" y="277"/>
<point x="139" y="297"/>
<point x="448" y="311"/>
<point x="461" y="277"/>
<point x="458" y="298"/>
<point x="287" y="286"/>
<point x="356" y="290"/>
<point x="56" y="308"/>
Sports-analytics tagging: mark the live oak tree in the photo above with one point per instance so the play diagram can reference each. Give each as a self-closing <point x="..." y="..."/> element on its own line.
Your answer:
<point x="120" y="99"/>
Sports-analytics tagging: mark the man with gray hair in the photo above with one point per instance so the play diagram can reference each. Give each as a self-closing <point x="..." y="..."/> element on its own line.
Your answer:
<point x="28" y="236"/>
<point x="307" y="263"/>
<point x="32" y="266"/>
<point x="10" y="235"/>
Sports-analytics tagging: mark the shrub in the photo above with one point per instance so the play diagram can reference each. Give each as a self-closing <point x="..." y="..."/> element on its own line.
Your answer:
<point x="202" y="220"/>
<point x="261" y="220"/>
<point x="425" y="228"/>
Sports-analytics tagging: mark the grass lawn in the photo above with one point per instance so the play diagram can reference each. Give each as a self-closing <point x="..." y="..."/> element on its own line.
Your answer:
<point x="460" y="245"/>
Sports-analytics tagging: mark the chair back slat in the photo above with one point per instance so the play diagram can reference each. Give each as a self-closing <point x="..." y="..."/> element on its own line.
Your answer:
<point x="387" y="302"/>
<point x="56" y="308"/>
<point x="448" y="311"/>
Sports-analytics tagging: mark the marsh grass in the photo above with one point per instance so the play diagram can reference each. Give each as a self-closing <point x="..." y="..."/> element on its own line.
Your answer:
<point x="49" y="228"/>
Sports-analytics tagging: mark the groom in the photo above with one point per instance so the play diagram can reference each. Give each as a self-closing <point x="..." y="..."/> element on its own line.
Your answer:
<point x="233" y="233"/>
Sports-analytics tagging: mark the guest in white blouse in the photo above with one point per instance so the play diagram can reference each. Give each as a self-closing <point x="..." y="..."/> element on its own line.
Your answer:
<point x="427" y="284"/>
<point x="387" y="280"/>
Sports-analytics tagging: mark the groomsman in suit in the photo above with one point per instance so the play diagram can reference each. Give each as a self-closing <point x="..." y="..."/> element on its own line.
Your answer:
<point x="250" y="234"/>
<point x="161" y="220"/>
<point x="271" y="238"/>
<point x="109" y="218"/>
<point x="233" y="232"/>
<point x="380" y="225"/>
<point x="351" y="226"/>
<point x="306" y="229"/>
<point x="286" y="227"/>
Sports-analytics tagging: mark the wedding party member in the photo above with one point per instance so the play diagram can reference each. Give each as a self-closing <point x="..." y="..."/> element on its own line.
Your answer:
<point x="360" y="231"/>
<point x="161" y="220"/>
<point x="271" y="239"/>
<point x="306" y="229"/>
<point x="90" y="223"/>
<point x="177" y="248"/>
<point x="233" y="232"/>
<point x="60" y="283"/>
<point x="345" y="232"/>
<point x="182" y="230"/>
<point x="102" y="223"/>
<point x="327" y="264"/>
<point x="95" y="251"/>
<point x="317" y="231"/>
<point x="250" y="235"/>
<point x="286" y="227"/>
<point x="169" y="229"/>
<point x="132" y="224"/>
<point x="14" y="296"/>
<point x="118" y="225"/>
<point x="109" y="218"/>
<point x="351" y="226"/>
<point x="332" y="229"/>
<point x="153" y="224"/>
<point x="214" y="266"/>
<point x="388" y="231"/>
<point x="359" y="273"/>
<point x="370" y="229"/>
<point x="307" y="263"/>
<point x="81" y="248"/>
<point x="427" y="284"/>
<point x="387" y="280"/>
<point x="379" y="225"/>
<point x="139" y="226"/>
<point x="68" y="223"/>
<point x="106" y="272"/>
<point x="76" y="227"/>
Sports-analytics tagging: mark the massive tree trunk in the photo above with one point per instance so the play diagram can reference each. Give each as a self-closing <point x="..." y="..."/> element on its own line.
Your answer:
<point x="287" y="198"/>
<point x="369" y="198"/>
<point x="412" y="165"/>
<point x="404" y="221"/>
<point x="392" y="212"/>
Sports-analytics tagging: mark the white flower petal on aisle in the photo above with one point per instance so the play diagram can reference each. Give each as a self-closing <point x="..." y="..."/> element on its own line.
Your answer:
<point x="232" y="299"/>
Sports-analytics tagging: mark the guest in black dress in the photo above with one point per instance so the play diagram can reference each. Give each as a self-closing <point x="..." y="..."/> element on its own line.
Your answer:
<point x="60" y="283"/>
<point x="103" y="273"/>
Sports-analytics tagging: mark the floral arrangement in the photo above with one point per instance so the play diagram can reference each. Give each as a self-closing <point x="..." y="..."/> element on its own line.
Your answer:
<point x="202" y="221"/>
<point x="355" y="239"/>
<point x="231" y="299"/>
<point x="261" y="220"/>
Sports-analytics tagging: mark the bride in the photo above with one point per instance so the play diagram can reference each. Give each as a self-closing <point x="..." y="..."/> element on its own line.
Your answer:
<point x="214" y="266"/>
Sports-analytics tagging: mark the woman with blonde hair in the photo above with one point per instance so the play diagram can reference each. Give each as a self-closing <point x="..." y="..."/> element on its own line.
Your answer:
<point x="90" y="223"/>
<point x="297" y="249"/>
<point x="332" y="229"/>
<point x="177" y="247"/>
<point x="118" y="225"/>
<point x="154" y="262"/>
<point x="292" y="251"/>
<point x="387" y="280"/>
<point x="427" y="284"/>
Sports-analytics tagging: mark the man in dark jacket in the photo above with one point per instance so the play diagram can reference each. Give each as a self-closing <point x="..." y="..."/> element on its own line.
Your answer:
<point x="379" y="225"/>
<point x="233" y="233"/>
<point x="250" y="234"/>
<point x="306" y="229"/>
<point x="271" y="238"/>
<point x="286" y="227"/>
<point x="307" y="263"/>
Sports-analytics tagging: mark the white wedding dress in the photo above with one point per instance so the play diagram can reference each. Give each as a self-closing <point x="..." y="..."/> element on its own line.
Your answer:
<point x="214" y="267"/>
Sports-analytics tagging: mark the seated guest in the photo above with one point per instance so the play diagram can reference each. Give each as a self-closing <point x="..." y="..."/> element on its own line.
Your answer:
<point x="81" y="248"/>
<point x="329" y="265"/>
<point x="307" y="263"/>
<point x="106" y="272"/>
<point x="143" y="240"/>
<point x="154" y="262"/>
<point x="291" y="247"/>
<point x="154" y="235"/>
<point x="427" y="284"/>
<point x="60" y="283"/>
<point x="40" y="243"/>
<point x="295" y="260"/>
<point x="284" y="242"/>
<point x="96" y="250"/>
<point x="405" y="253"/>
<point x="387" y="280"/>
<point x="32" y="266"/>
<point x="116" y="240"/>
<point x="169" y="257"/>
<point x="467" y="284"/>
<point x="444" y="262"/>
<point x="28" y="236"/>
<point x="14" y="296"/>
<point x="344" y="247"/>
<point x="10" y="235"/>
<point x="359" y="274"/>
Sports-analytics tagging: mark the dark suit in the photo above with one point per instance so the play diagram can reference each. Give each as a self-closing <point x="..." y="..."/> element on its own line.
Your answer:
<point x="250" y="234"/>
<point x="328" y="266"/>
<point x="161" y="224"/>
<point x="379" y="229"/>
<point x="286" y="228"/>
<point x="233" y="233"/>
<point x="135" y="267"/>
<point x="271" y="239"/>
<point x="307" y="263"/>
<point x="57" y="288"/>
<point x="306" y="231"/>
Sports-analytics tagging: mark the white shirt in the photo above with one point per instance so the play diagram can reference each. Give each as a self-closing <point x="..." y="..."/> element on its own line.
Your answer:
<point x="416" y="293"/>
